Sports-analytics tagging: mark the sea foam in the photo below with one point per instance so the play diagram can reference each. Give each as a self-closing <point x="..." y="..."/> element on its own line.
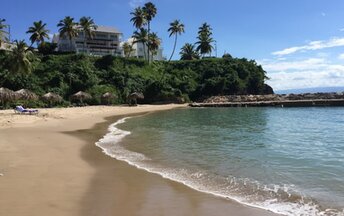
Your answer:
<point x="229" y="188"/>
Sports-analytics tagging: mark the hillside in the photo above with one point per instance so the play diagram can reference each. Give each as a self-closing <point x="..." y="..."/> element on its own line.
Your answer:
<point x="175" y="81"/>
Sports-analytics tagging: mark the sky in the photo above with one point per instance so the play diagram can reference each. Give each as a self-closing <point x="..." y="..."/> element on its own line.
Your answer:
<point x="300" y="43"/>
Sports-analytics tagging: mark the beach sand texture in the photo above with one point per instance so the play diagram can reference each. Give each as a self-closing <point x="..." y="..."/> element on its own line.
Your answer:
<point x="51" y="166"/>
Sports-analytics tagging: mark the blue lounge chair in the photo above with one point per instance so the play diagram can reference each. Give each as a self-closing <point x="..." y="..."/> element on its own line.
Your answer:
<point x="22" y="110"/>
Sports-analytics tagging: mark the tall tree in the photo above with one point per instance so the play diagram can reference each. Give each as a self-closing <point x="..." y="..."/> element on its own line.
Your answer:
<point x="154" y="44"/>
<point x="38" y="33"/>
<point x="88" y="27"/>
<point x="68" y="28"/>
<point x="175" y="28"/>
<point x="127" y="49"/>
<point x="204" y="39"/>
<point x="21" y="58"/>
<point x="138" y="19"/>
<point x="149" y="11"/>
<point x="141" y="36"/>
<point x="3" y="31"/>
<point x="188" y="52"/>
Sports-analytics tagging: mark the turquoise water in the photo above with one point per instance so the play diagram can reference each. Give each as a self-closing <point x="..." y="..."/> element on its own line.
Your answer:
<point x="286" y="160"/>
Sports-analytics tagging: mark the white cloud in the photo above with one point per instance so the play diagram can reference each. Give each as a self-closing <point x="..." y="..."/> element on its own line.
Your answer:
<point x="323" y="14"/>
<point x="135" y="3"/>
<point x="342" y="29"/>
<point x="313" y="45"/>
<point x="306" y="79"/>
<point x="341" y="56"/>
<point x="308" y="73"/>
<point x="277" y="66"/>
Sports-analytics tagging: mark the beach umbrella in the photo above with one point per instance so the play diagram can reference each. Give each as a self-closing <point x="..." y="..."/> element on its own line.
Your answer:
<point x="6" y="95"/>
<point x="51" y="98"/>
<point x="132" y="98"/>
<point x="24" y="94"/>
<point x="108" y="96"/>
<point x="137" y="95"/>
<point x="81" y="96"/>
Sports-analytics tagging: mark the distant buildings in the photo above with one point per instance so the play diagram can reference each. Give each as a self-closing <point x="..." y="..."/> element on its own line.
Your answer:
<point x="140" y="52"/>
<point x="106" y="41"/>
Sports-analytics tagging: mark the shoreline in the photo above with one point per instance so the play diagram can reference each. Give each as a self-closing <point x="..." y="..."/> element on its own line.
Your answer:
<point x="55" y="168"/>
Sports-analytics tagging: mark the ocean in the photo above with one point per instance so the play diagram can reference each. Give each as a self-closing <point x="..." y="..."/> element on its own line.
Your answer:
<point x="285" y="160"/>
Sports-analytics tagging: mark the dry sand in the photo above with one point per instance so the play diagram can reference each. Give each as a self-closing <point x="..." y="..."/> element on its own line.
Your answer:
<point x="49" y="165"/>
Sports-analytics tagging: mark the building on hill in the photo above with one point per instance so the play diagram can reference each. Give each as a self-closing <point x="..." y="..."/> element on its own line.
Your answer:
<point x="106" y="41"/>
<point x="140" y="52"/>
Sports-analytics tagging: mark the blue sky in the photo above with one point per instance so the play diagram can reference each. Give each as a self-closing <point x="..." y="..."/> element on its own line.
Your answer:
<point x="300" y="43"/>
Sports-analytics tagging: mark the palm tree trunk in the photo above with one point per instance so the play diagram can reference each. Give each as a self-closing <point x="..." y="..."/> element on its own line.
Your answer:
<point x="148" y="41"/>
<point x="83" y="49"/>
<point x="70" y="44"/>
<point x="144" y="51"/>
<point x="30" y="46"/>
<point x="174" y="47"/>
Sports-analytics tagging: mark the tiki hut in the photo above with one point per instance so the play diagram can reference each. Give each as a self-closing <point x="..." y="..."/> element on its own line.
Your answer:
<point x="51" y="98"/>
<point x="24" y="94"/>
<point x="108" y="97"/>
<point x="81" y="96"/>
<point x="132" y="98"/>
<point x="6" y="95"/>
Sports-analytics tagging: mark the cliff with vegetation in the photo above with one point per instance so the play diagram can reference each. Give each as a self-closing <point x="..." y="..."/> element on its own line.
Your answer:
<point x="175" y="81"/>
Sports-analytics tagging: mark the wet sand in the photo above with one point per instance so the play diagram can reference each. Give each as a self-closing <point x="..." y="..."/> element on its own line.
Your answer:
<point x="54" y="168"/>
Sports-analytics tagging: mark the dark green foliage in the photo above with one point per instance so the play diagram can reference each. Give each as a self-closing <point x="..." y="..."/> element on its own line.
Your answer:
<point x="47" y="48"/>
<point x="174" y="81"/>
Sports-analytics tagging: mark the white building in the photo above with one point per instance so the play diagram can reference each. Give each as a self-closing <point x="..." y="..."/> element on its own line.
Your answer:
<point x="105" y="41"/>
<point x="140" y="52"/>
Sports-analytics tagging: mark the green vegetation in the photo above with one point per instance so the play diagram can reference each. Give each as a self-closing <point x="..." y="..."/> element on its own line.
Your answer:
<point x="3" y="32"/>
<point x="175" y="81"/>
<point x="111" y="79"/>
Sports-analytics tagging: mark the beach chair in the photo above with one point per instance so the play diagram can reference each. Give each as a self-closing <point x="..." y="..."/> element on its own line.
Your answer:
<point x="22" y="110"/>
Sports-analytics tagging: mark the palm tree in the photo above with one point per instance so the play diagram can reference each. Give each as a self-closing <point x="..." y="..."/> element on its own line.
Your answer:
<point x="128" y="49"/>
<point x="88" y="27"/>
<point x="3" y="32"/>
<point x="204" y="39"/>
<point x="154" y="43"/>
<point x="67" y="28"/>
<point x="21" y="58"/>
<point x="149" y="11"/>
<point x="188" y="52"/>
<point x="205" y="29"/>
<point x="141" y="37"/>
<point x="138" y="18"/>
<point x="175" y="28"/>
<point x="38" y="33"/>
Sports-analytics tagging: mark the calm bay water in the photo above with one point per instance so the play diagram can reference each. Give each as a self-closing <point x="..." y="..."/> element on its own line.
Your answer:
<point x="287" y="160"/>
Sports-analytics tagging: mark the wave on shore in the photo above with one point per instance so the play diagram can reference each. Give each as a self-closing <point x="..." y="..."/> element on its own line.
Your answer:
<point x="281" y="199"/>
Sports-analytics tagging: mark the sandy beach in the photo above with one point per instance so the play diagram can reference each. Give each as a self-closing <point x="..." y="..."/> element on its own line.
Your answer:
<point x="50" y="165"/>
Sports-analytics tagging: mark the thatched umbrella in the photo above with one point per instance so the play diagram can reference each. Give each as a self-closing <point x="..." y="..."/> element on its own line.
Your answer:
<point x="6" y="95"/>
<point x="134" y="96"/>
<point x="51" y="98"/>
<point x="108" y="96"/>
<point x="24" y="94"/>
<point x="81" y="96"/>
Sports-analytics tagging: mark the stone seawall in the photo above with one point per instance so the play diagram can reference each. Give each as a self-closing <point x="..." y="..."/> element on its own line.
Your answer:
<point x="291" y="100"/>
